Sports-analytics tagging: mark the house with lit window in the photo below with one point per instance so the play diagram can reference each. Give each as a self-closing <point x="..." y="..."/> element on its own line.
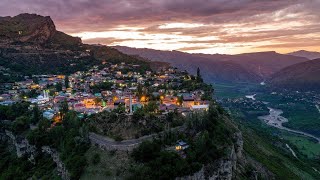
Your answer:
<point x="181" y="145"/>
<point x="188" y="101"/>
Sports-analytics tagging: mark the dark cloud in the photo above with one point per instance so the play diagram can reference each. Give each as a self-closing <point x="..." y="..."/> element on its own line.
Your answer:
<point x="232" y="21"/>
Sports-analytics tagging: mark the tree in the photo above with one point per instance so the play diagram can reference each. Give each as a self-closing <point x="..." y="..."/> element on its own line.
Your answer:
<point x="139" y="90"/>
<point x="20" y="125"/>
<point x="96" y="159"/>
<point x="35" y="114"/>
<point x="151" y="106"/>
<point x="66" y="81"/>
<point x="35" y="80"/>
<point x="97" y="101"/>
<point x="64" y="108"/>
<point x="43" y="125"/>
<point x="199" y="78"/>
<point x="58" y="87"/>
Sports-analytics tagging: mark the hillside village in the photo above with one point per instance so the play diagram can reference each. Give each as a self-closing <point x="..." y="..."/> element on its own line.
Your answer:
<point x="70" y="110"/>
<point x="108" y="88"/>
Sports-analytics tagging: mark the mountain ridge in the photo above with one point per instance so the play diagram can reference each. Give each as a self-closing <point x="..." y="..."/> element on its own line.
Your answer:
<point x="302" y="76"/>
<point x="307" y="54"/>
<point x="247" y="67"/>
<point x="212" y="70"/>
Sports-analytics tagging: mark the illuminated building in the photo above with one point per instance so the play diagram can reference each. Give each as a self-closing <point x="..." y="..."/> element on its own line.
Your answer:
<point x="89" y="103"/>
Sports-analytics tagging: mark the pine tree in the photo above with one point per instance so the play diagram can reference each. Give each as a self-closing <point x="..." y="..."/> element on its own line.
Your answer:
<point x="66" y="81"/>
<point x="199" y="78"/>
<point x="36" y="114"/>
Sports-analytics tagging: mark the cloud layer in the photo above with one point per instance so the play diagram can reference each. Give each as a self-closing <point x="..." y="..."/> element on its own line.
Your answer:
<point x="208" y="26"/>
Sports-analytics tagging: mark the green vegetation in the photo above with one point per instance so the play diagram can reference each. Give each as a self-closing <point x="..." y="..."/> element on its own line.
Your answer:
<point x="267" y="145"/>
<point x="307" y="147"/>
<point x="31" y="94"/>
<point x="112" y="55"/>
<point x="208" y="135"/>
<point x="228" y="90"/>
<point x="271" y="152"/>
<point x="70" y="139"/>
<point x="47" y="64"/>
<point x="20" y="117"/>
<point x="118" y="125"/>
<point x="301" y="113"/>
<point x="14" y="168"/>
<point x="112" y="164"/>
<point x="14" y="111"/>
<point x="97" y="88"/>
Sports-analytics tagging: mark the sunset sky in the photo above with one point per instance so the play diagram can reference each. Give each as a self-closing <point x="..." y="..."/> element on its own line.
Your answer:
<point x="195" y="26"/>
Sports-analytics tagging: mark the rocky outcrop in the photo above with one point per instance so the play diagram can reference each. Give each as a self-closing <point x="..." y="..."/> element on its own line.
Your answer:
<point x="21" y="145"/>
<point x="32" y="29"/>
<point x="61" y="168"/>
<point x="224" y="168"/>
<point x="23" y="148"/>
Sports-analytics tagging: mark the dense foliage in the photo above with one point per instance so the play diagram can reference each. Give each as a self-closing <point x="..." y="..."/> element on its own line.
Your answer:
<point x="143" y="122"/>
<point x="70" y="139"/>
<point x="20" y="168"/>
<point x="208" y="136"/>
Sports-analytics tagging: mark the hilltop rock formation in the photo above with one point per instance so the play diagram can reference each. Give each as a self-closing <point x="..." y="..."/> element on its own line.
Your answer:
<point x="32" y="29"/>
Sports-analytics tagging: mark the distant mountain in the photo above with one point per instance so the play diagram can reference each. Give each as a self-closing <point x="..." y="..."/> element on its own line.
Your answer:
<point x="303" y="76"/>
<point x="263" y="64"/>
<point x="306" y="54"/>
<point x="248" y="67"/>
<point x="33" y="29"/>
<point x="212" y="70"/>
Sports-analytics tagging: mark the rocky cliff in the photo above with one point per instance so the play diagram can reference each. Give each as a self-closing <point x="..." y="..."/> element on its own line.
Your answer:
<point x="32" y="29"/>
<point x="223" y="168"/>
<point x="23" y="148"/>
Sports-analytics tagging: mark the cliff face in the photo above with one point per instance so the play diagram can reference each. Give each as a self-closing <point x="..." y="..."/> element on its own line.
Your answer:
<point x="33" y="29"/>
<point x="23" y="148"/>
<point x="223" y="168"/>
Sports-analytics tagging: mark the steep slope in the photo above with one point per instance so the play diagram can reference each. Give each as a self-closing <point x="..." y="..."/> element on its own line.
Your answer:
<point x="262" y="63"/>
<point x="30" y="44"/>
<point x="32" y="29"/>
<point x="307" y="54"/>
<point x="212" y="70"/>
<point x="266" y="63"/>
<point x="302" y="76"/>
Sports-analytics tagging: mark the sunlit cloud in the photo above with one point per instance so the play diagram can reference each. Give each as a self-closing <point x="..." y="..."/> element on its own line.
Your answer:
<point x="180" y="25"/>
<point x="202" y="26"/>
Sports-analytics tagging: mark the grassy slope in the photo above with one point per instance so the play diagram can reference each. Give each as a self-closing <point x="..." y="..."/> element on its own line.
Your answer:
<point x="262" y="147"/>
<point x="112" y="165"/>
<point x="232" y="90"/>
<point x="307" y="147"/>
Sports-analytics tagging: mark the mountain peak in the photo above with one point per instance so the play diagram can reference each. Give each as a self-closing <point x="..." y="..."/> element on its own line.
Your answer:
<point x="31" y="29"/>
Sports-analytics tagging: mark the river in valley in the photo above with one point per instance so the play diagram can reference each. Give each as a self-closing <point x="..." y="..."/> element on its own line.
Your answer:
<point x="276" y="120"/>
<point x="251" y="96"/>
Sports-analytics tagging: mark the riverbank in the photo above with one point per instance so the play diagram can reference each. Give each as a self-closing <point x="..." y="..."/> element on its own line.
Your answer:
<point x="276" y="120"/>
